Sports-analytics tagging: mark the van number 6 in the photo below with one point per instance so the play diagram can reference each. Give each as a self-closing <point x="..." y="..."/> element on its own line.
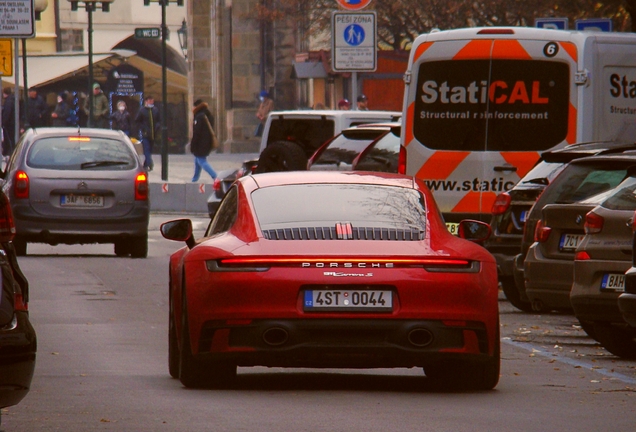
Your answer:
<point x="551" y="49"/>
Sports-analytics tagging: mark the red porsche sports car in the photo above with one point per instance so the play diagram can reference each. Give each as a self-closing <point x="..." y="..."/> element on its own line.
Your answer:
<point x="332" y="269"/>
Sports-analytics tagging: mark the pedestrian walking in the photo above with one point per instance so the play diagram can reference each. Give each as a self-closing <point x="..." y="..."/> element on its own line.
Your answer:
<point x="203" y="139"/>
<point x="121" y="118"/>
<point x="265" y="107"/>
<point x="8" y="121"/>
<point x="101" y="108"/>
<point x="61" y="115"/>
<point x="149" y="120"/>
<point x="37" y="110"/>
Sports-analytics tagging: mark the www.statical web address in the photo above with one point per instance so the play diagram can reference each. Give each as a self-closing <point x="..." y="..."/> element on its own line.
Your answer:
<point x="475" y="185"/>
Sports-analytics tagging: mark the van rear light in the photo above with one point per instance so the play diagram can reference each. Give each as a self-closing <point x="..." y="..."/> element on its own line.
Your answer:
<point x="593" y="223"/>
<point x="401" y="168"/>
<point x="541" y="232"/>
<point x="7" y="225"/>
<point x="21" y="185"/>
<point x="495" y="31"/>
<point x="141" y="187"/>
<point x="501" y="204"/>
<point x="582" y="256"/>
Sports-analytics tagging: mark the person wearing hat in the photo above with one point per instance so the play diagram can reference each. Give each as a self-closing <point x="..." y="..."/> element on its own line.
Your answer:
<point x="149" y="120"/>
<point x="203" y="138"/>
<point x="344" y="105"/>
<point x="265" y="107"/>
<point x="62" y="112"/>
<point x="101" y="108"/>
<point x="121" y="118"/>
<point x="362" y="103"/>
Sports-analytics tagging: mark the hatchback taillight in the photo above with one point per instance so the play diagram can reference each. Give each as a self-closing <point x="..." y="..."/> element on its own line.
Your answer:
<point x="19" y="304"/>
<point x="593" y="223"/>
<point x="501" y="204"/>
<point x="141" y="187"/>
<point x="582" y="256"/>
<point x="402" y="160"/>
<point x="216" y="186"/>
<point x="21" y="185"/>
<point x="7" y="225"/>
<point x="541" y="232"/>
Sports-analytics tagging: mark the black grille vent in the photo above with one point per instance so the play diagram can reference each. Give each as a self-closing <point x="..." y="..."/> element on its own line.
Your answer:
<point x="329" y="233"/>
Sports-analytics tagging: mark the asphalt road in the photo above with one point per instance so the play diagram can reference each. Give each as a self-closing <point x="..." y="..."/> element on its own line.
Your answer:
<point x="102" y="365"/>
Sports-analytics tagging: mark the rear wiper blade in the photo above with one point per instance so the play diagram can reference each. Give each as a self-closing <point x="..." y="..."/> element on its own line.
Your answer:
<point x="94" y="164"/>
<point x="539" y="180"/>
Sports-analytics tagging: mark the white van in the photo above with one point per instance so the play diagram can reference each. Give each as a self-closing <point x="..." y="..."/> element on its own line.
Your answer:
<point x="480" y="105"/>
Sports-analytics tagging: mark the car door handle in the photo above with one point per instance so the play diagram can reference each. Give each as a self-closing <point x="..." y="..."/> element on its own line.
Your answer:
<point x="502" y="168"/>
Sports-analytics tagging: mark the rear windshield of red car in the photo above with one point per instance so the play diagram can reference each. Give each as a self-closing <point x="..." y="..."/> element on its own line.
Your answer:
<point x="81" y="153"/>
<point x="324" y="205"/>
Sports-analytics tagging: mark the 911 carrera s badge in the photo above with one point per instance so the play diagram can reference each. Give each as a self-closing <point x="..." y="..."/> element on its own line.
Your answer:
<point x="342" y="274"/>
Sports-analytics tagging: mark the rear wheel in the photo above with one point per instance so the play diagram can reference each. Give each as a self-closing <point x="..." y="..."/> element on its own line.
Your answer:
<point x="139" y="247"/>
<point x="512" y="294"/>
<point x="588" y="327"/>
<point x="122" y="248"/>
<point x="20" y="246"/>
<point x="282" y="156"/>
<point x="619" y="341"/>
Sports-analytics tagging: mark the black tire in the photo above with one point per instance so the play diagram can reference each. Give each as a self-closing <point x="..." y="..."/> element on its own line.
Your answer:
<point x="619" y="341"/>
<point x="282" y="156"/>
<point x="139" y="247"/>
<point x="588" y="328"/>
<point x="20" y="246"/>
<point x="195" y="373"/>
<point x="511" y="292"/>
<point x="173" y="343"/>
<point x="122" y="248"/>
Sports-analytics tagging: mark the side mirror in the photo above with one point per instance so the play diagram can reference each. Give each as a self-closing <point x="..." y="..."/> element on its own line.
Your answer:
<point x="178" y="230"/>
<point x="474" y="230"/>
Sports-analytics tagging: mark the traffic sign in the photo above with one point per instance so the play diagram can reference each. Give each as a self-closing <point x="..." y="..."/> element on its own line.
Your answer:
<point x="594" y="24"/>
<point x="353" y="4"/>
<point x="552" y="23"/>
<point x="148" y="33"/>
<point x="353" y="41"/>
<point x="17" y="18"/>
<point x="6" y="57"/>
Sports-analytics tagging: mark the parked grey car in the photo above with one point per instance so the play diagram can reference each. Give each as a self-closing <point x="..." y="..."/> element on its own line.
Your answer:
<point x="74" y="186"/>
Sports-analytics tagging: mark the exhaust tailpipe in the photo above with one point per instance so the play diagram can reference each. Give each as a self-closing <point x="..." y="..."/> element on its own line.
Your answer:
<point x="420" y="337"/>
<point x="275" y="336"/>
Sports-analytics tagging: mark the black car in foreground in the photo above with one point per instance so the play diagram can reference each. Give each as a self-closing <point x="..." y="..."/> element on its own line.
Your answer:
<point x="18" y="344"/>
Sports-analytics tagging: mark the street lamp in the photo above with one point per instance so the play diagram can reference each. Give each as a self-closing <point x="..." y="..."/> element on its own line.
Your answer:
<point x="164" y="84"/>
<point x="183" y="38"/>
<point x="90" y="6"/>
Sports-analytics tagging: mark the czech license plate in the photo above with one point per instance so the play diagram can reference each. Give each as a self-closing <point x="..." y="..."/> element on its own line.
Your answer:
<point x="614" y="282"/>
<point x="524" y="216"/>
<point x="348" y="300"/>
<point x="569" y="242"/>
<point x="82" y="201"/>
<point x="453" y="227"/>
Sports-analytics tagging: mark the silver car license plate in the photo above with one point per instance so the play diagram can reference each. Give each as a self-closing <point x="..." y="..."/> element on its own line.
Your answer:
<point x="352" y="300"/>
<point x="81" y="201"/>
<point x="613" y="282"/>
<point x="569" y="242"/>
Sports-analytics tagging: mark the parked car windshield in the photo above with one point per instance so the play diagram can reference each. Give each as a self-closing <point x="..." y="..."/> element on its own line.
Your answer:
<point x="346" y="146"/>
<point x="77" y="153"/>
<point x="323" y="205"/>
<point x="309" y="133"/>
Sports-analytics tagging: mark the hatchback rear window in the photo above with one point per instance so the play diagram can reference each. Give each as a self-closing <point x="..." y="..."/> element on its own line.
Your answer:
<point x="346" y="146"/>
<point x="81" y="153"/>
<point x="383" y="156"/>
<point x="623" y="197"/>
<point x="327" y="205"/>
<point x="308" y="133"/>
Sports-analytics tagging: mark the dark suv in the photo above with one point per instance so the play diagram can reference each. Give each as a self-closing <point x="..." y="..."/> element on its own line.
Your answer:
<point x="511" y="209"/>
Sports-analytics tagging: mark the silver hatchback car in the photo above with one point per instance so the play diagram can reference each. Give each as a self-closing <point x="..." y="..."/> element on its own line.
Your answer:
<point x="76" y="186"/>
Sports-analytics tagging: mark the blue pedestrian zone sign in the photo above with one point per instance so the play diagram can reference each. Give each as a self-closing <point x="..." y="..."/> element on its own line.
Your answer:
<point x="594" y="24"/>
<point x="552" y="23"/>
<point x="354" y="35"/>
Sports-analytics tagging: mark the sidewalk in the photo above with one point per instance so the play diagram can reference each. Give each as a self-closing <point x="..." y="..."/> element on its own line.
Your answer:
<point x="178" y="194"/>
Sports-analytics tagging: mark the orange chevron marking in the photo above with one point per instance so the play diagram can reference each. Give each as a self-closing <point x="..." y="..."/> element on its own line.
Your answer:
<point x="421" y="49"/>
<point x="441" y="164"/>
<point x="524" y="161"/>
<point x="477" y="49"/>
<point x="570" y="48"/>
<point x="571" y="137"/>
<point x="509" y="49"/>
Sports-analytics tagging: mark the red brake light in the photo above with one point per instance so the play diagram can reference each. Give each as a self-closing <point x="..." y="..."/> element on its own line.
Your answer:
<point x="21" y="185"/>
<point x="495" y="31"/>
<point x="19" y="304"/>
<point x="79" y="138"/>
<point x="216" y="186"/>
<point x="593" y="223"/>
<point x="582" y="256"/>
<point x="501" y="204"/>
<point x="141" y="187"/>
<point x="541" y="232"/>
<point x="402" y="160"/>
<point x="7" y="225"/>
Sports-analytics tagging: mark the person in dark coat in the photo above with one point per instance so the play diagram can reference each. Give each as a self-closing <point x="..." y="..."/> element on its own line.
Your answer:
<point x="149" y="120"/>
<point x="121" y="118"/>
<point x="62" y="112"/>
<point x="37" y="110"/>
<point x="202" y="139"/>
<point x="8" y="121"/>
